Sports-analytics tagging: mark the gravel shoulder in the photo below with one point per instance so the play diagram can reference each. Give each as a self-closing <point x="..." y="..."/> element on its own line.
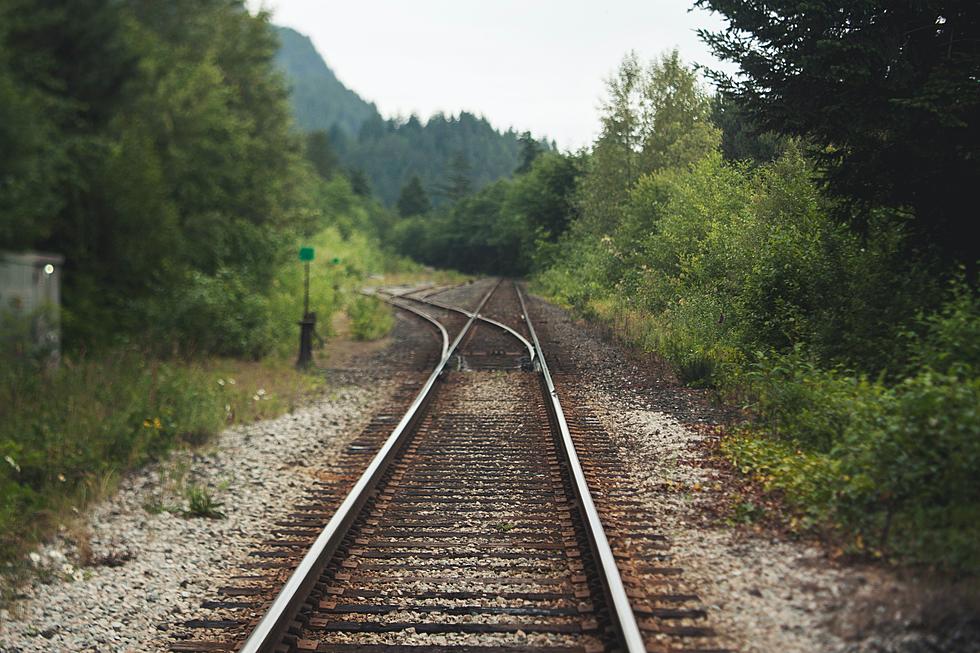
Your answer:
<point x="148" y="565"/>
<point x="764" y="592"/>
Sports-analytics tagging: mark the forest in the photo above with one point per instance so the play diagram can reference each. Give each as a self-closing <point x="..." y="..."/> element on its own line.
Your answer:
<point x="387" y="154"/>
<point x="798" y="241"/>
<point x="152" y="145"/>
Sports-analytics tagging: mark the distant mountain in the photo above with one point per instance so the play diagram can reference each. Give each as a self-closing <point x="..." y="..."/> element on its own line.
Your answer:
<point x="320" y="101"/>
<point x="390" y="152"/>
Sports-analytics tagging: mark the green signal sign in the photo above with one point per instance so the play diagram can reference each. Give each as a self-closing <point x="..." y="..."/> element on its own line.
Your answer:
<point x="306" y="254"/>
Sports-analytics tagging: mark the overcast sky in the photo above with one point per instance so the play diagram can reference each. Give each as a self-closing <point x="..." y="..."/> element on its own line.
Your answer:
<point x="533" y="64"/>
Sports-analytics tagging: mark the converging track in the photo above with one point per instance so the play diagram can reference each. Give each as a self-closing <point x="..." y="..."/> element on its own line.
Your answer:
<point x="471" y="528"/>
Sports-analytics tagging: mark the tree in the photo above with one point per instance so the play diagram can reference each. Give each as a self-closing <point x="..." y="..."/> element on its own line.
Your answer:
<point x="530" y="149"/>
<point x="157" y="158"/>
<point x="413" y="199"/>
<point x="359" y="182"/>
<point x="459" y="181"/>
<point x="544" y="197"/>
<point x="887" y="91"/>
<point x="646" y="112"/>
<point x="321" y="154"/>
<point x="740" y="139"/>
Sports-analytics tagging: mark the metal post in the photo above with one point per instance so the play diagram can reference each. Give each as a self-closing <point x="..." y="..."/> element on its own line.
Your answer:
<point x="306" y="291"/>
<point x="306" y="327"/>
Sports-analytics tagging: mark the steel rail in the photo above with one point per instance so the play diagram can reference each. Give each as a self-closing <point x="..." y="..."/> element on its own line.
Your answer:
<point x="622" y="612"/>
<point x="499" y="325"/>
<point x="271" y="629"/>
<point x="419" y="312"/>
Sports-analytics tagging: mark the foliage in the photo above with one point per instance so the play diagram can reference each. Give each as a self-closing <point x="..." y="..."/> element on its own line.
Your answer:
<point x="170" y="166"/>
<point x="892" y="466"/>
<point x="64" y="429"/>
<point x="888" y="92"/>
<point x="647" y="111"/>
<point x="151" y="144"/>
<point x="508" y="227"/>
<point x="370" y="318"/>
<point x="858" y="371"/>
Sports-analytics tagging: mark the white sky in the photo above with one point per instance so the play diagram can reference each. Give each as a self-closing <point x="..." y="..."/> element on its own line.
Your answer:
<point x="535" y="65"/>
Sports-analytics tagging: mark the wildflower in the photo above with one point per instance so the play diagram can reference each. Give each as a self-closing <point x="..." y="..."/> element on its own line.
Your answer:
<point x="261" y="392"/>
<point x="156" y="423"/>
<point x="61" y="477"/>
<point x="221" y="382"/>
<point x="147" y="423"/>
<point x="255" y="397"/>
<point x="35" y="558"/>
<point x="231" y="381"/>
<point x="79" y="575"/>
<point x="12" y="462"/>
<point x="227" y="408"/>
<point x="67" y="569"/>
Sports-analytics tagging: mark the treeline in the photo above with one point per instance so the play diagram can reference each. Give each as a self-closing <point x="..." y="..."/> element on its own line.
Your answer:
<point x="386" y="154"/>
<point x="798" y="243"/>
<point x="151" y="145"/>
<point x="450" y="155"/>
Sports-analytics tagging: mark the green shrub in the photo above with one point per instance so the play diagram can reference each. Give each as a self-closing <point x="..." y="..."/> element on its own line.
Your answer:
<point x="893" y="466"/>
<point x="215" y="314"/>
<point x="370" y="318"/>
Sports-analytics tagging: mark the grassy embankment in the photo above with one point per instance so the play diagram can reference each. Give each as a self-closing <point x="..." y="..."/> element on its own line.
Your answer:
<point x="67" y="435"/>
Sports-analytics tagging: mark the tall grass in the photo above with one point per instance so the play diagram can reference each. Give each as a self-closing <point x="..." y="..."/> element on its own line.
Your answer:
<point x="67" y="434"/>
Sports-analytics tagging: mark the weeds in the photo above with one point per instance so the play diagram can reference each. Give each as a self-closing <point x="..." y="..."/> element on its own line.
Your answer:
<point x="201" y="503"/>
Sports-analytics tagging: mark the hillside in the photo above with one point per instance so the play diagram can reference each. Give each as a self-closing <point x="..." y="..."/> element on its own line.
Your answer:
<point x="319" y="100"/>
<point x="391" y="152"/>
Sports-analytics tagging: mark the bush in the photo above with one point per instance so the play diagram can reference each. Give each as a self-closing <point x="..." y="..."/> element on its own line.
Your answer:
<point x="370" y="318"/>
<point x="740" y="278"/>
<point x="219" y="314"/>
<point x="892" y="465"/>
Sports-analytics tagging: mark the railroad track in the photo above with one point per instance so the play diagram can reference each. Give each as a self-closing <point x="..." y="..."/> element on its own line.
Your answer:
<point x="472" y="527"/>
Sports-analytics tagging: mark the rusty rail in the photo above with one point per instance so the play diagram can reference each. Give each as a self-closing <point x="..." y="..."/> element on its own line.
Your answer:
<point x="267" y="634"/>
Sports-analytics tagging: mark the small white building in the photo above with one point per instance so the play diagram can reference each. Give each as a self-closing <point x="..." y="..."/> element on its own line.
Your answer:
<point x="30" y="302"/>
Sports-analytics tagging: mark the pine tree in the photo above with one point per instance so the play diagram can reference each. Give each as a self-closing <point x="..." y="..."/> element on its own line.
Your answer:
<point x="530" y="149"/>
<point x="887" y="91"/>
<point x="459" y="178"/>
<point x="321" y="154"/>
<point x="413" y="199"/>
<point x="359" y="182"/>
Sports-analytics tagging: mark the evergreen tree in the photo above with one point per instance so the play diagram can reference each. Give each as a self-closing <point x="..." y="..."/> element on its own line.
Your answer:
<point x="530" y="149"/>
<point x="359" y="182"/>
<point x="321" y="153"/>
<point x="886" y="90"/>
<point x="459" y="181"/>
<point x="413" y="200"/>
